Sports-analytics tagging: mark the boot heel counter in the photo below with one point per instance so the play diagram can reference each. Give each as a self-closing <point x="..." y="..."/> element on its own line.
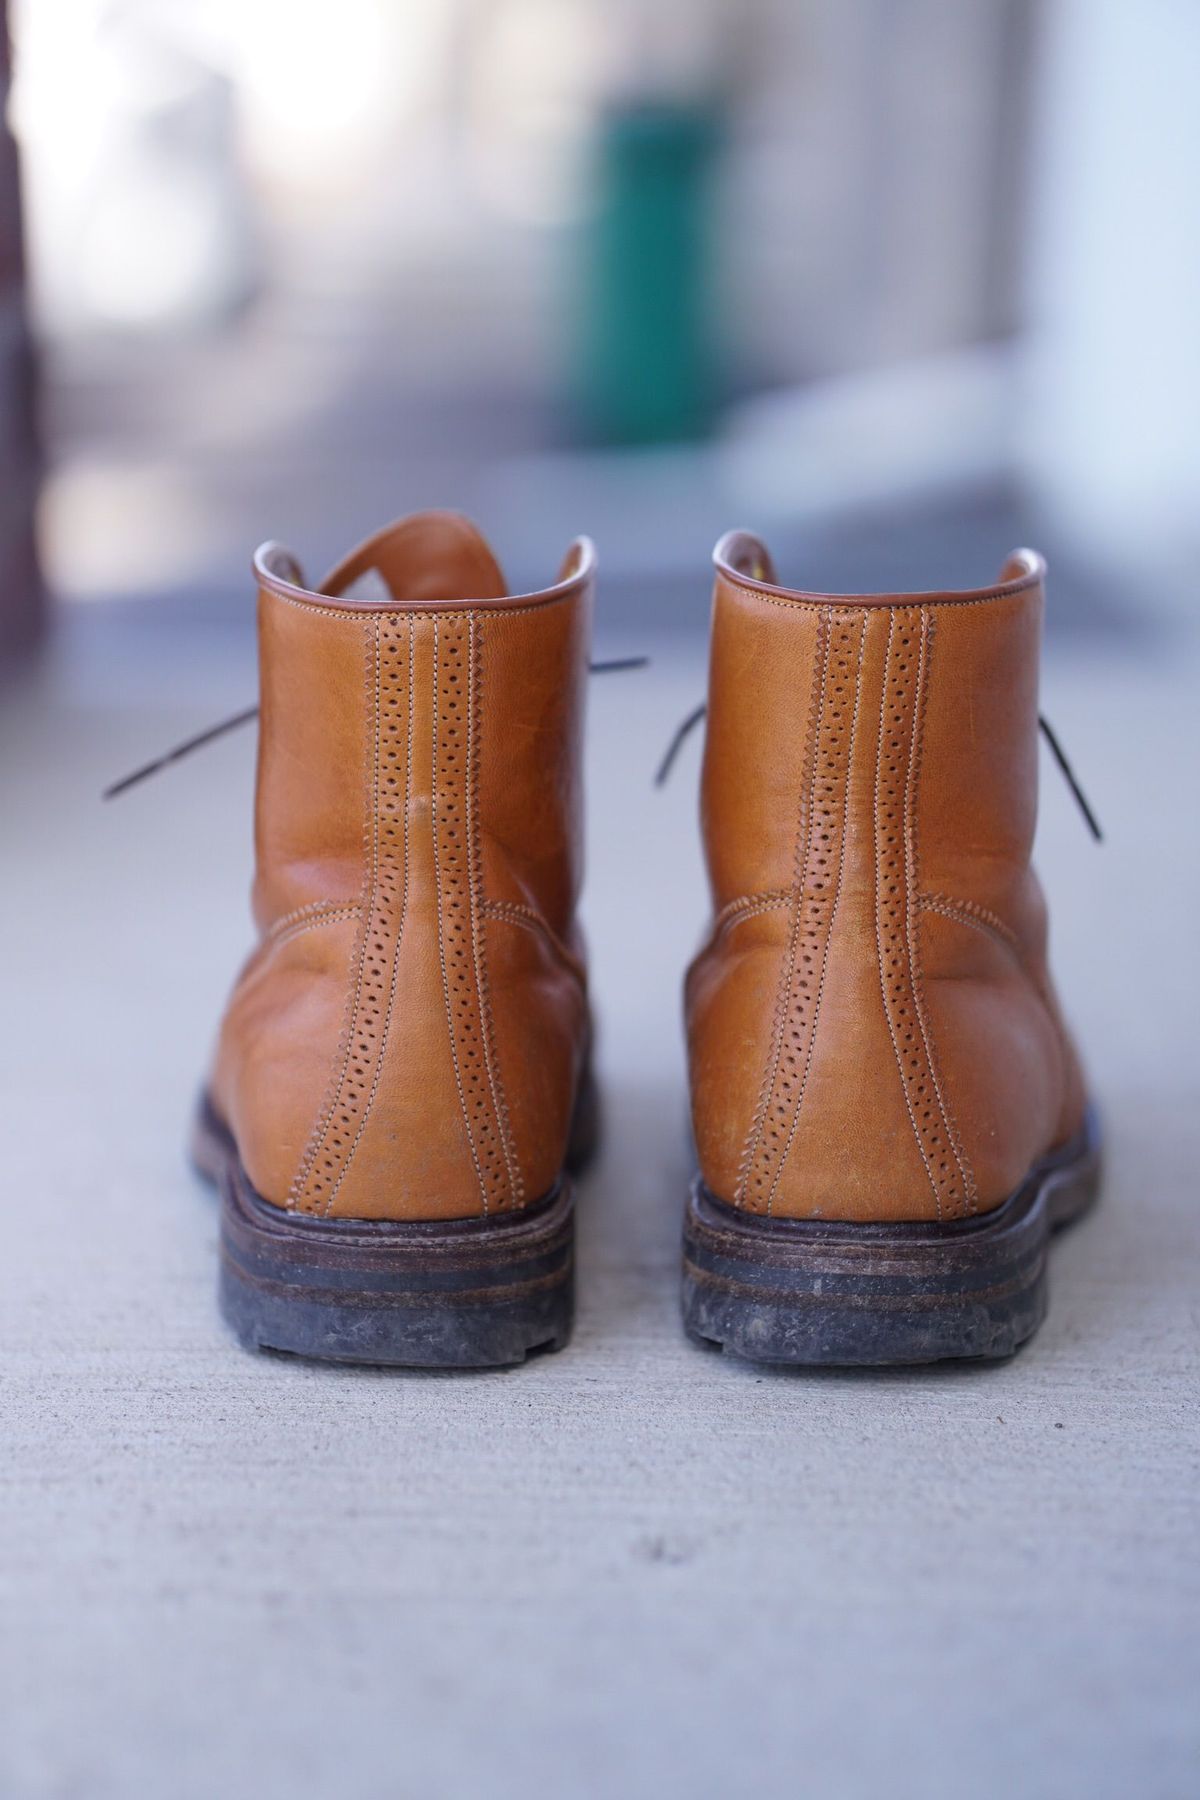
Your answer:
<point x="336" y="1073"/>
<point x="792" y="1121"/>
<point x="540" y="1031"/>
<point x="420" y="1129"/>
<point x="1009" y="1070"/>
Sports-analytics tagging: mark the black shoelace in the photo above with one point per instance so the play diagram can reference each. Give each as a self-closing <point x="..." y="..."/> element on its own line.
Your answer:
<point x="1070" y="777"/>
<point x="687" y="726"/>
<point x="613" y="666"/>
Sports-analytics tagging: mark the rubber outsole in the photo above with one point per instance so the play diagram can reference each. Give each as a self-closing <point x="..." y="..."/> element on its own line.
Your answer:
<point x="824" y="1293"/>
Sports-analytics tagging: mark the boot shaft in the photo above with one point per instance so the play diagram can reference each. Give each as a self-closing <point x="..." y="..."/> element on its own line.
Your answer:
<point x="872" y="1028"/>
<point x="427" y="708"/>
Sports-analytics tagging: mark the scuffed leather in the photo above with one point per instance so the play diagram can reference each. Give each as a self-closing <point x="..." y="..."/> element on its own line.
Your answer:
<point x="872" y="1031"/>
<point x="407" y="1039"/>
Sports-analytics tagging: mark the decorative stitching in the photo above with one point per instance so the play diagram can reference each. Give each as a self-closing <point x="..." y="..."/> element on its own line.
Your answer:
<point x="351" y="615"/>
<point x="511" y="912"/>
<point x="883" y="995"/>
<point x="924" y="655"/>
<point x="969" y="912"/>
<point x="516" y="1187"/>
<point x="815" y="902"/>
<point x="458" y="931"/>
<point x="359" y="1079"/>
<point x="897" y="772"/>
<point x="300" y="914"/>
<point x="746" y="906"/>
<point x="306" y="918"/>
<point x="837" y="894"/>
<point x="799" y="875"/>
<point x="314" y="1182"/>
<point x="905" y="604"/>
<point x="435" y="810"/>
<point x="337" y="1075"/>
<point x="388" y="805"/>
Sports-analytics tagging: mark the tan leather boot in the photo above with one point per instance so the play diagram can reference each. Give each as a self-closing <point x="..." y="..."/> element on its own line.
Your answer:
<point x="889" y="1113"/>
<point x="401" y="1078"/>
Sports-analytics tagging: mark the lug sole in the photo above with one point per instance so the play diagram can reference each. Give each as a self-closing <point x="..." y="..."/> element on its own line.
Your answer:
<point x="472" y="1293"/>
<point x="824" y="1293"/>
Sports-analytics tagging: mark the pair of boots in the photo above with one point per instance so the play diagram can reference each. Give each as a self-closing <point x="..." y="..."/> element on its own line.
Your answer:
<point x="889" y="1115"/>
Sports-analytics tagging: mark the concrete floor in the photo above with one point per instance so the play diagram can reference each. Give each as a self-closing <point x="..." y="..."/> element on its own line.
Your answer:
<point x="634" y="1568"/>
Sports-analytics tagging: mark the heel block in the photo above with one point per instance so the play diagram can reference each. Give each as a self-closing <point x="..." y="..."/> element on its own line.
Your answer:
<point x="449" y="1294"/>
<point x="833" y="1293"/>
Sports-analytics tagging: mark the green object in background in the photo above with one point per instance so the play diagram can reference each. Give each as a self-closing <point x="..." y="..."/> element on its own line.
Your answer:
<point x="647" y="365"/>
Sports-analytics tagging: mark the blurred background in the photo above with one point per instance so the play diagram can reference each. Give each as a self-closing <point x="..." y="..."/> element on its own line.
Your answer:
<point x="898" y="284"/>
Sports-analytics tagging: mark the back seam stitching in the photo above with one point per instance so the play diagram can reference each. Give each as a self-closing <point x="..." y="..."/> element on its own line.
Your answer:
<point x="437" y="883"/>
<point x="883" y="698"/>
<point x="837" y="895"/>
<point x="354" y="986"/>
<point x="483" y="991"/>
<point x="916" y="746"/>
<point x="399" y="937"/>
<point x="800" y="856"/>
